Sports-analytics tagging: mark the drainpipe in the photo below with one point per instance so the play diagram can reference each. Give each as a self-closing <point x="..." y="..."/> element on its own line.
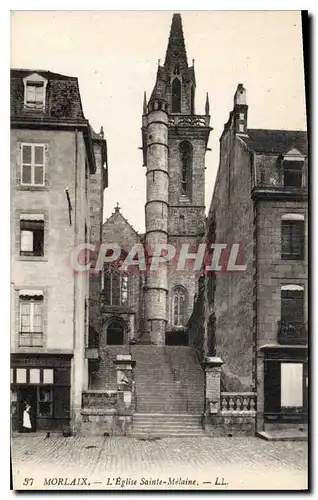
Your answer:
<point x="74" y="279"/>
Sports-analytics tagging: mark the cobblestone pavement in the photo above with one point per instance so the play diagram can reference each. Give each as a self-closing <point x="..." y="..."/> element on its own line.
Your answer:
<point x="168" y="463"/>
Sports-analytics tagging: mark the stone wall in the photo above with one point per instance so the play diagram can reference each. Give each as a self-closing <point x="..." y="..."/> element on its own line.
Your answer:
<point x="232" y="212"/>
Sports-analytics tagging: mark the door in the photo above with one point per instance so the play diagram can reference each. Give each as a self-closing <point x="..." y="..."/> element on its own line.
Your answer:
<point x="27" y="395"/>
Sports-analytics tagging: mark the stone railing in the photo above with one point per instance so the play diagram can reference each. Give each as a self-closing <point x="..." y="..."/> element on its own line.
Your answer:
<point x="189" y="121"/>
<point x="292" y="333"/>
<point x="99" y="399"/>
<point x="238" y="403"/>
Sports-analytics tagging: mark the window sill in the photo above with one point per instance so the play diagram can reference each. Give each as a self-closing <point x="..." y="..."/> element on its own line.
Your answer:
<point x="32" y="258"/>
<point x="22" y="187"/>
<point x="292" y="259"/>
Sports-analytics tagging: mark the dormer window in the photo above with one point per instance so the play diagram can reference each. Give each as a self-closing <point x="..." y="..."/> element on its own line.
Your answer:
<point x="293" y="166"/>
<point x="34" y="91"/>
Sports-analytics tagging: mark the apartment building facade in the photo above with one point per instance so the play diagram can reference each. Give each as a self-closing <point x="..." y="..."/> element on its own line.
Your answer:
<point x="54" y="157"/>
<point x="256" y="320"/>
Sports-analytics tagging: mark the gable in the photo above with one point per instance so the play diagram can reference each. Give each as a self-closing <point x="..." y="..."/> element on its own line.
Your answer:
<point x="117" y="229"/>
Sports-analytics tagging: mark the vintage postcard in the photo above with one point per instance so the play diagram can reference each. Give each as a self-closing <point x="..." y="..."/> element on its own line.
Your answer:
<point x="159" y="237"/>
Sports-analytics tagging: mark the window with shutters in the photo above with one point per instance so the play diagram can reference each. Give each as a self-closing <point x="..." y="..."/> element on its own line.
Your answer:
<point x="292" y="238"/>
<point x="32" y="236"/>
<point x="32" y="164"/>
<point x="31" y="321"/>
<point x="291" y="327"/>
<point x="34" y="92"/>
<point x="292" y="304"/>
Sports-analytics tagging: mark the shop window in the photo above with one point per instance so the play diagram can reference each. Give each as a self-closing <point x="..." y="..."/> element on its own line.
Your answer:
<point x="34" y="375"/>
<point x="21" y="375"/>
<point x="291" y="385"/>
<point x="45" y="405"/>
<point x="48" y="375"/>
<point x="285" y="390"/>
<point x="61" y="376"/>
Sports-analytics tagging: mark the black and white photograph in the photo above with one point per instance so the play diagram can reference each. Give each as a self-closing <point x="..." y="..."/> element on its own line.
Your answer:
<point x="159" y="250"/>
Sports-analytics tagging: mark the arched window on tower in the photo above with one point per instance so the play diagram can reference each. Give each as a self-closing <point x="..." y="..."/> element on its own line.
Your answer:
<point x="179" y="304"/>
<point x="176" y="96"/>
<point x="186" y="153"/>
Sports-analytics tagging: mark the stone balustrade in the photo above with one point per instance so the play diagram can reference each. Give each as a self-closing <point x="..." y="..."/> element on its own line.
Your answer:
<point x="238" y="403"/>
<point x="189" y="121"/>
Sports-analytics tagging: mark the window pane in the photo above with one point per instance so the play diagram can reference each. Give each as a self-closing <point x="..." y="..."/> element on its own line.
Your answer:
<point x="45" y="409"/>
<point x="34" y="376"/>
<point x="115" y="289"/>
<point x="26" y="241"/>
<point x="30" y="93"/>
<point x="38" y="175"/>
<point x="291" y="385"/>
<point x="45" y="394"/>
<point x="26" y="174"/>
<point x="21" y="375"/>
<point x="107" y="288"/>
<point x="62" y="376"/>
<point x="38" y="155"/>
<point x="26" y="154"/>
<point x="48" y="376"/>
<point x="39" y="94"/>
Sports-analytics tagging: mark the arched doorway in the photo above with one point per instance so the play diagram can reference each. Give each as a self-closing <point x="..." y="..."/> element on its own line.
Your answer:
<point x="115" y="333"/>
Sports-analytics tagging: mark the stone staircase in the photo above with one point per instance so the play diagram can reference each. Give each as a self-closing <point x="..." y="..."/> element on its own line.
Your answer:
<point x="161" y="425"/>
<point x="169" y="385"/>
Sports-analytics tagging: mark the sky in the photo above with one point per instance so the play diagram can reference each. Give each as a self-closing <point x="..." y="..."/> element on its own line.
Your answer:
<point x="115" y="56"/>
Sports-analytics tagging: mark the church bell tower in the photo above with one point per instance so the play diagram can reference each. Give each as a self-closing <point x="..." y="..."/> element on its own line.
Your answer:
<point x="174" y="143"/>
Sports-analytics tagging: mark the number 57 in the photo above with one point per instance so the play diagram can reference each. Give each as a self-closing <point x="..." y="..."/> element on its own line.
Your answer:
<point x="28" y="481"/>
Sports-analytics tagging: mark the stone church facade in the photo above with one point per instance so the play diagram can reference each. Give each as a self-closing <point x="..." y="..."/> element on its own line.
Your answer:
<point x="156" y="307"/>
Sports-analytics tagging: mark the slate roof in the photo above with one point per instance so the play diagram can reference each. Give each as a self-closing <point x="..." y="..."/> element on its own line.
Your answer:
<point x="276" y="141"/>
<point x="63" y="100"/>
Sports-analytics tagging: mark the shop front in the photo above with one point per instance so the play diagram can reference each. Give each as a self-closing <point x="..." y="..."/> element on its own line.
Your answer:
<point x="42" y="382"/>
<point x="285" y="385"/>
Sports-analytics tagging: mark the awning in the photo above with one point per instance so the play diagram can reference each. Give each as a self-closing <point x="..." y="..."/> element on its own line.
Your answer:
<point x="31" y="293"/>
<point x="32" y="217"/>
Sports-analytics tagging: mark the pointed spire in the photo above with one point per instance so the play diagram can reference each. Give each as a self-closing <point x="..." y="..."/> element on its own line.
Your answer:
<point x="101" y="133"/>
<point x="117" y="207"/>
<point x="207" y="105"/>
<point x="176" y="51"/>
<point x="145" y="104"/>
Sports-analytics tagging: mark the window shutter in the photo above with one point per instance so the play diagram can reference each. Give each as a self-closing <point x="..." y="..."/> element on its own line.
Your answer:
<point x="292" y="306"/>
